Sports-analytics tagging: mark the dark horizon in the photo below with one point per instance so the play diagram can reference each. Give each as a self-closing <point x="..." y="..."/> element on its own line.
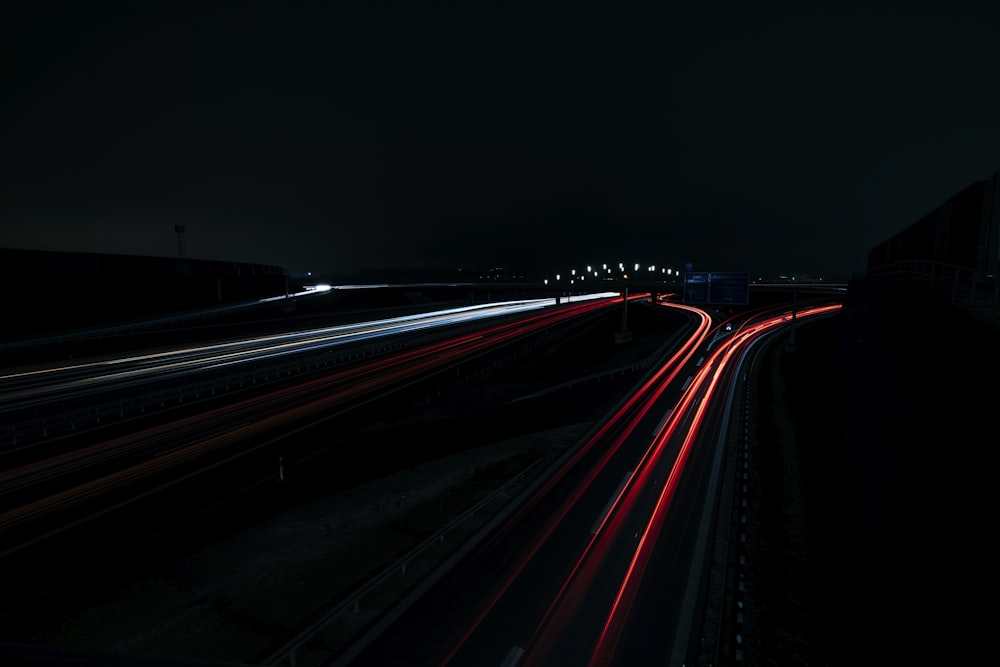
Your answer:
<point x="21" y="263"/>
<point x="340" y="138"/>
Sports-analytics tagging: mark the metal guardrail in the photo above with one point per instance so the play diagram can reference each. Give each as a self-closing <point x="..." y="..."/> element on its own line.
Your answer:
<point x="290" y="651"/>
<point x="605" y="374"/>
<point x="32" y="425"/>
<point x="24" y="426"/>
<point x="391" y="574"/>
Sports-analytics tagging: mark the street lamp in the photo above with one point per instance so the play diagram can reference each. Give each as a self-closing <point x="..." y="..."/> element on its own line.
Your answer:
<point x="180" y="240"/>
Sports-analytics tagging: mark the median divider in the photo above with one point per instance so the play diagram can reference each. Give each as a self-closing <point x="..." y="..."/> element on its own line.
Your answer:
<point x="288" y="652"/>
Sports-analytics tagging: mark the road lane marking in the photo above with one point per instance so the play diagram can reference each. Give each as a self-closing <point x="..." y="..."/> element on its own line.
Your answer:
<point x="662" y="422"/>
<point x="611" y="502"/>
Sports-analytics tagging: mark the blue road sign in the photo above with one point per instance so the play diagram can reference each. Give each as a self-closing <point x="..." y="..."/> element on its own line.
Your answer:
<point x="696" y="287"/>
<point x="731" y="288"/>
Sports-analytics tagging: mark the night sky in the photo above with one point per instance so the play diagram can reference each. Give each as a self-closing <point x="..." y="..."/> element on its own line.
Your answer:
<point x="340" y="136"/>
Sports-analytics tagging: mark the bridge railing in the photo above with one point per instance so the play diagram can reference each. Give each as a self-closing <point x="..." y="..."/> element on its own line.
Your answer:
<point x="969" y="289"/>
<point x="33" y="423"/>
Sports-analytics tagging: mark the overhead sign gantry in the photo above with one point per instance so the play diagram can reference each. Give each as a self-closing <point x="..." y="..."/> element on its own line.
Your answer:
<point x="730" y="288"/>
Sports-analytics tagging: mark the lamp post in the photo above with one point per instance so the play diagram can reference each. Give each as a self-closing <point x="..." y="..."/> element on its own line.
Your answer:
<point x="180" y="240"/>
<point x="790" y="343"/>
<point x="624" y="336"/>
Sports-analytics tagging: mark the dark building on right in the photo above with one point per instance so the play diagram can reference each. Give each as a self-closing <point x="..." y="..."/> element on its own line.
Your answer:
<point x="963" y="231"/>
<point x="901" y="551"/>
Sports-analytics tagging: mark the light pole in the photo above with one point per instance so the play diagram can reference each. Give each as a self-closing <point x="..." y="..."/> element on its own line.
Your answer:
<point x="790" y="343"/>
<point x="180" y="240"/>
<point x="624" y="336"/>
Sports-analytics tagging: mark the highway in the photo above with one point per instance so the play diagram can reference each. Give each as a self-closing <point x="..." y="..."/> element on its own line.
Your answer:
<point x="603" y="564"/>
<point x="65" y="483"/>
<point x="615" y="536"/>
<point x="34" y="386"/>
<point x="82" y="388"/>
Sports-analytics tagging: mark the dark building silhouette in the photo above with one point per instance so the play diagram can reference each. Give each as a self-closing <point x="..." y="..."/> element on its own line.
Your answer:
<point x="62" y="291"/>
<point x="963" y="231"/>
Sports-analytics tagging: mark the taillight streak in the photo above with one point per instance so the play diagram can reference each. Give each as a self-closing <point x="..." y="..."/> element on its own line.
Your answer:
<point x="623" y="422"/>
<point x="356" y="382"/>
<point x="711" y="373"/>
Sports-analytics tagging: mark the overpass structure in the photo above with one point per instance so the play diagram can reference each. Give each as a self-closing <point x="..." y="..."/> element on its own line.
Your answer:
<point x="953" y="251"/>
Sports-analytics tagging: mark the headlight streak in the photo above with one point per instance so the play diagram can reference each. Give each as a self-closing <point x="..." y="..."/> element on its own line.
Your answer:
<point x="200" y="424"/>
<point x="48" y="380"/>
<point x="267" y="413"/>
<point x="116" y="447"/>
<point x="379" y="374"/>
